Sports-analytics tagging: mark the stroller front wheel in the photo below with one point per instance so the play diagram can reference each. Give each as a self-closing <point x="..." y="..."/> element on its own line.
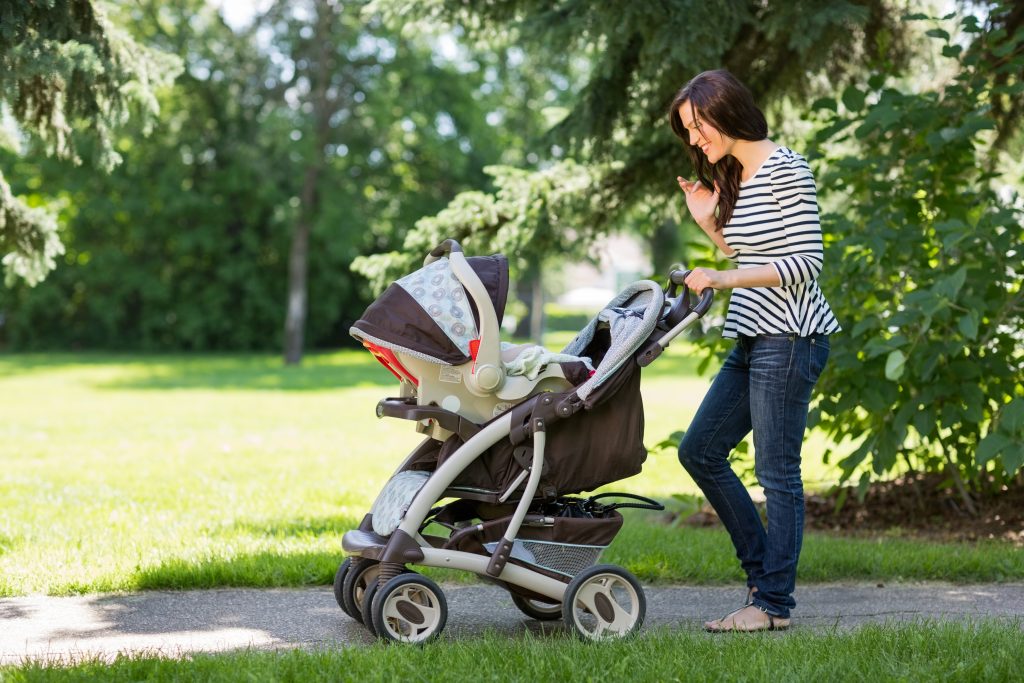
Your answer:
<point x="409" y="608"/>
<point x="361" y="574"/>
<point x="339" y="585"/>
<point x="604" y="602"/>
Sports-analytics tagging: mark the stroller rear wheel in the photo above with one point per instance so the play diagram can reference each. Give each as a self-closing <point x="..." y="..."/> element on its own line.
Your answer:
<point x="604" y="602"/>
<point x="541" y="611"/>
<point x="409" y="609"/>
<point x="339" y="585"/>
<point x="361" y="574"/>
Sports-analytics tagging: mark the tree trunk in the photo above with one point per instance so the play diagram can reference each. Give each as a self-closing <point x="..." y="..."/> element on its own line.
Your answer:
<point x="537" y="309"/>
<point x="530" y="292"/>
<point x="319" y="72"/>
<point x="298" y="271"/>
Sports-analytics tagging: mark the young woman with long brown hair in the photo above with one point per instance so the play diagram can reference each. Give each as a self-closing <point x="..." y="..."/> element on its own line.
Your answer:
<point x="756" y="201"/>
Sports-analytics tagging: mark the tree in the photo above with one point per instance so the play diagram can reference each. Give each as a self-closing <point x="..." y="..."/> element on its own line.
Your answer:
<point x="185" y="245"/>
<point x="640" y="54"/>
<point x="70" y="78"/>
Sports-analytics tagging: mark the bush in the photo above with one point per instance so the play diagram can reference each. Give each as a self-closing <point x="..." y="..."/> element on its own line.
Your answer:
<point x="924" y="272"/>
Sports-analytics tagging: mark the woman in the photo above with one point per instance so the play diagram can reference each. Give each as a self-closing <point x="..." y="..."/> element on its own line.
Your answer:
<point x="756" y="201"/>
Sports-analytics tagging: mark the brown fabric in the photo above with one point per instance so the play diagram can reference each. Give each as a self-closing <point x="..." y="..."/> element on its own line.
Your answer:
<point x="576" y="372"/>
<point x="397" y="318"/>
<point x="590" y="449"/>
<point x="493" y="273"/>
<point x="424" y="458"/>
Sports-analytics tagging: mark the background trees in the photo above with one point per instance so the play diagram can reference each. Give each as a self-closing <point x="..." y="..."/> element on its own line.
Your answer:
<point x="70" y="78"/>
<point x="326" y="136"/>
<point x="187" y="244"/>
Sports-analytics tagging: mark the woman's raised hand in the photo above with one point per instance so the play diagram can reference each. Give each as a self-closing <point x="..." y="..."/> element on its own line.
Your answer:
<point x="700" y="201"/>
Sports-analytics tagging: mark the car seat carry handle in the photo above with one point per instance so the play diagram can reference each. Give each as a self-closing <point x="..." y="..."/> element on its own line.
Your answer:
<point x="442" y="250"/>
<point x="488" y="372"/>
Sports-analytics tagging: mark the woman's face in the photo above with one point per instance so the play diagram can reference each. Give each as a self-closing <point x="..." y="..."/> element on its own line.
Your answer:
<point x="703" y="135"/>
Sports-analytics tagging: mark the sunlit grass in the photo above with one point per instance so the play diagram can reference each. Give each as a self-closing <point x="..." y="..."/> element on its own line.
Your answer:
<point x="129" y="472"/>
<point x="926" y="651"/>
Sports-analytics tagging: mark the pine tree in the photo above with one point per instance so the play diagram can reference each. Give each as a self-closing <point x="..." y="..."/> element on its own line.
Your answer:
<point x="69" y="78"/>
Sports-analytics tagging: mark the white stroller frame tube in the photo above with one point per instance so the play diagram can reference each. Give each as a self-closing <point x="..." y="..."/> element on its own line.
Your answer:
<point x="675" y="331"/>
<point x="442" y="478"/>
<point x="531" y="487"/>
<point x="512" y="573"/>
<point x="444" y="475"/>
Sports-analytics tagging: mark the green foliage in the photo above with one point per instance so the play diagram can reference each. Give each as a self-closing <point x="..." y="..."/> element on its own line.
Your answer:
<point x="185" y="245"/>
<point x="70" y="78"/>
<point x="980" y="650"/>
<point x="924" y="272"/>
<point x="638" y="54"/>
<point x="530" y="217"/>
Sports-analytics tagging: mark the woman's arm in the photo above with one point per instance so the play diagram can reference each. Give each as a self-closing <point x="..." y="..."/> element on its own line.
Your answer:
<point x="758" y="276"/>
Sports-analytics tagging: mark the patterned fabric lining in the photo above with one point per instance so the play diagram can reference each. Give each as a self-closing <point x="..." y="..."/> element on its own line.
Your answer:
<point x="394" y="500"/>
<point x="441" y="295"/>
<point x="629" y="328"/>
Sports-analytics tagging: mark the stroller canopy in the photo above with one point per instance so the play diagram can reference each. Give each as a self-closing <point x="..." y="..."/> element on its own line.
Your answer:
<point x="428" y="313"/>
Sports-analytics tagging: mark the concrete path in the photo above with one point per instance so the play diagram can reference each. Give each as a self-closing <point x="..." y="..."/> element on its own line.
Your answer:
<point x="174" y="623"/>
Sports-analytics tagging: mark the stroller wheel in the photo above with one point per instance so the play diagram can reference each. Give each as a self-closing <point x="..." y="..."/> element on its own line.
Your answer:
<point x="365" y="613"/>
<point x="361" y="574"/>
<point x="535" y="609"/>
<point x="339" y="584"/>
<point x="604" y="602"/>
<point x="409" y="608"/>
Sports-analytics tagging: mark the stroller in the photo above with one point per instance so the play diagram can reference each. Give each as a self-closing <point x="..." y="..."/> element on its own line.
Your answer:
<point x="511" y="432"/>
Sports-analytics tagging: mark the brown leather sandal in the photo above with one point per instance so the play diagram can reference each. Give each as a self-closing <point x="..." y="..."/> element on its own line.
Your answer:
<point x="728" y="622"/>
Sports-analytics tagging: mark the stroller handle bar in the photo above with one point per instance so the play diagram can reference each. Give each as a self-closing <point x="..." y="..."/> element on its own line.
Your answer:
<point x="678" y="277"/>
<point x="680" y="315"/>
<point x="487" y="376"/>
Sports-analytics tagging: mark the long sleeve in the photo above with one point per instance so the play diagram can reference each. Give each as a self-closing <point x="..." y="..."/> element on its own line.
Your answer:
<point x="792" y="186"/>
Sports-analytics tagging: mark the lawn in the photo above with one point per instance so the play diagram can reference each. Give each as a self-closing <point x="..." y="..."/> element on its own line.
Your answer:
<point x="984" y="651"/>
<point x="135" y="472"/>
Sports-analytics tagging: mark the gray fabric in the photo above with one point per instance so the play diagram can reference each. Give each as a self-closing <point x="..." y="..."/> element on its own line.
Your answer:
<point x="629" y="325"/>
<point x="394" y="500"/>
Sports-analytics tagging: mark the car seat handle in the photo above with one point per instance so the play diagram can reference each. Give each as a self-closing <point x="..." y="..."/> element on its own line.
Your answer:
<point x="442" y="250"/>
<point x="488" y="373"/>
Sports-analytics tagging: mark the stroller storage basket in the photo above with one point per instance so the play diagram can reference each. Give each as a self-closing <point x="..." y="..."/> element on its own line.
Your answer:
<point x="565" y="545"/>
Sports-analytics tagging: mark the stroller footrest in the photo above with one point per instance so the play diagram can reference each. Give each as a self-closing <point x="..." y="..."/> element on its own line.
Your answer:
<point x="364" y="543"/>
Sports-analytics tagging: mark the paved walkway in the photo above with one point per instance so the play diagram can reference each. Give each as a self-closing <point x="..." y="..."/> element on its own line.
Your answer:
<point x="174" y="623"/>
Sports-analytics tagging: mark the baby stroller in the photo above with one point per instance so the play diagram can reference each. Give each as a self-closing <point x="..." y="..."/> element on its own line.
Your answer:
<point x="511" y="432"/>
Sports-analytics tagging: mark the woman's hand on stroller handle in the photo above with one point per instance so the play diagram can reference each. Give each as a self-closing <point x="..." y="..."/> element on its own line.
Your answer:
<point x="681" y="307"/>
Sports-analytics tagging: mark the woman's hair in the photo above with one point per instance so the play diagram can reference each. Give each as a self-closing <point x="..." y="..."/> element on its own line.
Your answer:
<point x="720" y="99"/>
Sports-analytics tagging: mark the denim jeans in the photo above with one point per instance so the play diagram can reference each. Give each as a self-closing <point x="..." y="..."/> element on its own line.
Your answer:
<point x="765" y="385"/>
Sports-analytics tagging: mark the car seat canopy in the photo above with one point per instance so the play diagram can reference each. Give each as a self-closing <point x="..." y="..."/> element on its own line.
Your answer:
<point x="428" y="313"/>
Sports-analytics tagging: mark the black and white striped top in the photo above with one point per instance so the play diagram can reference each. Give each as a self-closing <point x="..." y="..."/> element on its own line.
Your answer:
<point x="776" y="221"/>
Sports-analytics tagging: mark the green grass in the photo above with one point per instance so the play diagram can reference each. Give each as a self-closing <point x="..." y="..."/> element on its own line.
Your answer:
<point x="135" y="472"/>
<point x="928" y="651"/>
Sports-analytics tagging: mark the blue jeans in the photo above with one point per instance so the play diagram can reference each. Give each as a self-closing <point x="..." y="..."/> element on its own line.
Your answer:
<point x="765" y="385"/>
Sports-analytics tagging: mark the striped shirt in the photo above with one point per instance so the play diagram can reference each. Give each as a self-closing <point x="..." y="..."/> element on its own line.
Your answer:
<point x="775" y="222"/>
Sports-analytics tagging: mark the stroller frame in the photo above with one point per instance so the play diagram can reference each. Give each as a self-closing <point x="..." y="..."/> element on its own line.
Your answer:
<point x="374" y="585"/>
